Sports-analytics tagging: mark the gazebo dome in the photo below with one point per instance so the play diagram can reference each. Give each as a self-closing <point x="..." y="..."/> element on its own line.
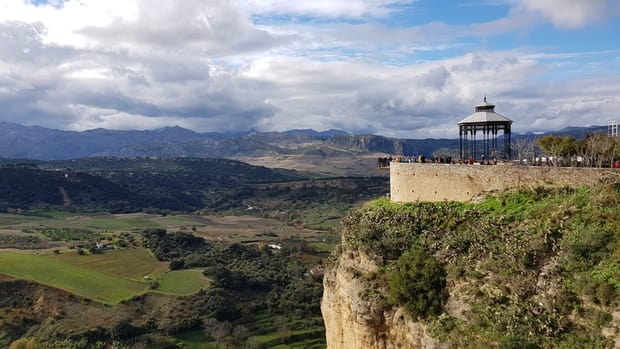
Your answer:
<point x="482" y="117"/>
<point x="485" y="114"/>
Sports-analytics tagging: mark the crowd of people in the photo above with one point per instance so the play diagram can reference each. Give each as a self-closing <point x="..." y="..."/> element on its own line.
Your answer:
<point x="384" y="162"/>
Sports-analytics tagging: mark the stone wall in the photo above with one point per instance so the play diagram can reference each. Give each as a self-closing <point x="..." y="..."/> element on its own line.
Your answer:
<point x="437" y="182"/>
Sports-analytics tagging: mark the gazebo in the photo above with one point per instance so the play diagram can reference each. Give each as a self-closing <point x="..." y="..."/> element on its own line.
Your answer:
<point x="486" y="122"/>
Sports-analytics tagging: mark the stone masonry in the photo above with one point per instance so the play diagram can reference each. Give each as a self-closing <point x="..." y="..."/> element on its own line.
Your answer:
<point x="411" y="182"/>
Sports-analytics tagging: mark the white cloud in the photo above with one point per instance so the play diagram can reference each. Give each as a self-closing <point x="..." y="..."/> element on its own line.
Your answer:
<point x="571" y="13"/>
<point x="327" y="8"/>
<point x="208" y="28"/>
<point x="206" y="66"/>
<point x="62" y="21"/>
<point x="400" y="101"/>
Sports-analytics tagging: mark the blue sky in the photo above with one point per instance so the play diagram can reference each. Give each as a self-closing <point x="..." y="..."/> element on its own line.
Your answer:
<point x="401" y="68"/>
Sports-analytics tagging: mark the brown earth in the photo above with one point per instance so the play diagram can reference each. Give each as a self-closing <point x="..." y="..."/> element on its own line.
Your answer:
<point x="346" y="165"/>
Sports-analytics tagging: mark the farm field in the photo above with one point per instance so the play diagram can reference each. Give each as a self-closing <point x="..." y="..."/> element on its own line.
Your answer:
<point x="103" y="258"/>
<point x="182" y="282"/>
<point x="107" y="278"/>
<point x="98" y="222"/>
<point x="114" y="276"/>
<point x="89" y="283"/>
<point x="221" y="228"/>
<point x="131" y="264"/>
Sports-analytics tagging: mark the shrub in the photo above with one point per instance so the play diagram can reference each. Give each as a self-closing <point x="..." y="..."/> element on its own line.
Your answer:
<point x="517" y="342"/>
<point x="124" y="330"/>
<point x="25" y="343"/>
<point x="417" y="282"/>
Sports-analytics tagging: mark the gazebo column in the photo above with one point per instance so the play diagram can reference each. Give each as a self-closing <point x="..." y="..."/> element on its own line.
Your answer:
<point x="461" y="142"/>
<point x="473" y="147"/>
<point x="487" y="139"/>
<point x="507" y="141"/>
<point x="494" y="142"/>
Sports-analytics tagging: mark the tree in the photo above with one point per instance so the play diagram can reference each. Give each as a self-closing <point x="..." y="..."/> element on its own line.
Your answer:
<point x="217" y="330"/>
<point x="281" y="324"/>
<point x="417" y="282"/>
<point x="603" y="149"/>
<point x="524" y="149"/>
<point x="598" y="150"/>
<point x="239" y="335"/>
<point x="557" y="148"/>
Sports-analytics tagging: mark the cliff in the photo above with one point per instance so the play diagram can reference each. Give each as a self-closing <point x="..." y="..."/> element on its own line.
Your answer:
<point x="533" y="268"/>
<point x="355" y="321"/>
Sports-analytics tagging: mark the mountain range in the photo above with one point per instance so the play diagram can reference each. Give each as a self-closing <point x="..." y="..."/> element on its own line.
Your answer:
<point x="35" y="142"/>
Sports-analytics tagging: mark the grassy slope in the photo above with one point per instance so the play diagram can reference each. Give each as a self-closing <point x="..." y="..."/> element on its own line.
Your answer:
<point x="89" y="283"/>
<point x="108" y="278"/>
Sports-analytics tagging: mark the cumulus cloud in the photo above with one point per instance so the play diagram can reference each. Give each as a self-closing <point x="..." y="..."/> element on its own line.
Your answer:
<point x="211" y="65"/>
<point x="400" y="101"/>
<point x="211" y="28"/>
<point x="571" y="13"/>
<point x="59" y="86"/>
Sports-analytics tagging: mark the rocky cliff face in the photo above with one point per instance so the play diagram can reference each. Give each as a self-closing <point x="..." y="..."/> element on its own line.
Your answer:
<point x="522" y="271"/>
<point x="354" y="319"/>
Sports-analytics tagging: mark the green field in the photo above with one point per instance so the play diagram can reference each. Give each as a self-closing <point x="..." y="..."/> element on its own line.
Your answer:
<point x="52" y="271"/>
<point x="68" y="220"/>
<point x="107" y="278"/>
<point x="55" y="214"/>
<point x="106" y="222"/>
<point x="182" y="282"/>
<point x="120" y="222"/>
<point x="114" y="276"/>
<point x="132" y="264"/>
<point x="222" y="228"/>
<point x="9" y="219"/>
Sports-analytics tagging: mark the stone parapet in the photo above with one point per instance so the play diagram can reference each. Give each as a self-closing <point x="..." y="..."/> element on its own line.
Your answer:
<point x="411" y="182"/>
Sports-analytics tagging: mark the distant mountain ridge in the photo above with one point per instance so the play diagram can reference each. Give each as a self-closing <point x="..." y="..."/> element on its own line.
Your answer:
<point x="35" y="142"/>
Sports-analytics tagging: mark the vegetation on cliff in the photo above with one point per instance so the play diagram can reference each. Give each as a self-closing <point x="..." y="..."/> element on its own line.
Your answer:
<point x="418" y="282"/>
<point x="534" y="268"/>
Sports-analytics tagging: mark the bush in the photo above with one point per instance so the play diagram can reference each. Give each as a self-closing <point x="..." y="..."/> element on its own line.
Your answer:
<point x="124" y="330"/>
<point x="417" y="282"/>
<point x="25" y="343"/>
<point x="516" y="342"/>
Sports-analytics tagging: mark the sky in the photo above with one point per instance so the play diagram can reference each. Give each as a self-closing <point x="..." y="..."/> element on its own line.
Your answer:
<point x="398" y="68"/>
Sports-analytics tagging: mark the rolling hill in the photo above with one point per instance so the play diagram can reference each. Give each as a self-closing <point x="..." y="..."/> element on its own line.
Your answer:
<point x="34" y="142"/>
